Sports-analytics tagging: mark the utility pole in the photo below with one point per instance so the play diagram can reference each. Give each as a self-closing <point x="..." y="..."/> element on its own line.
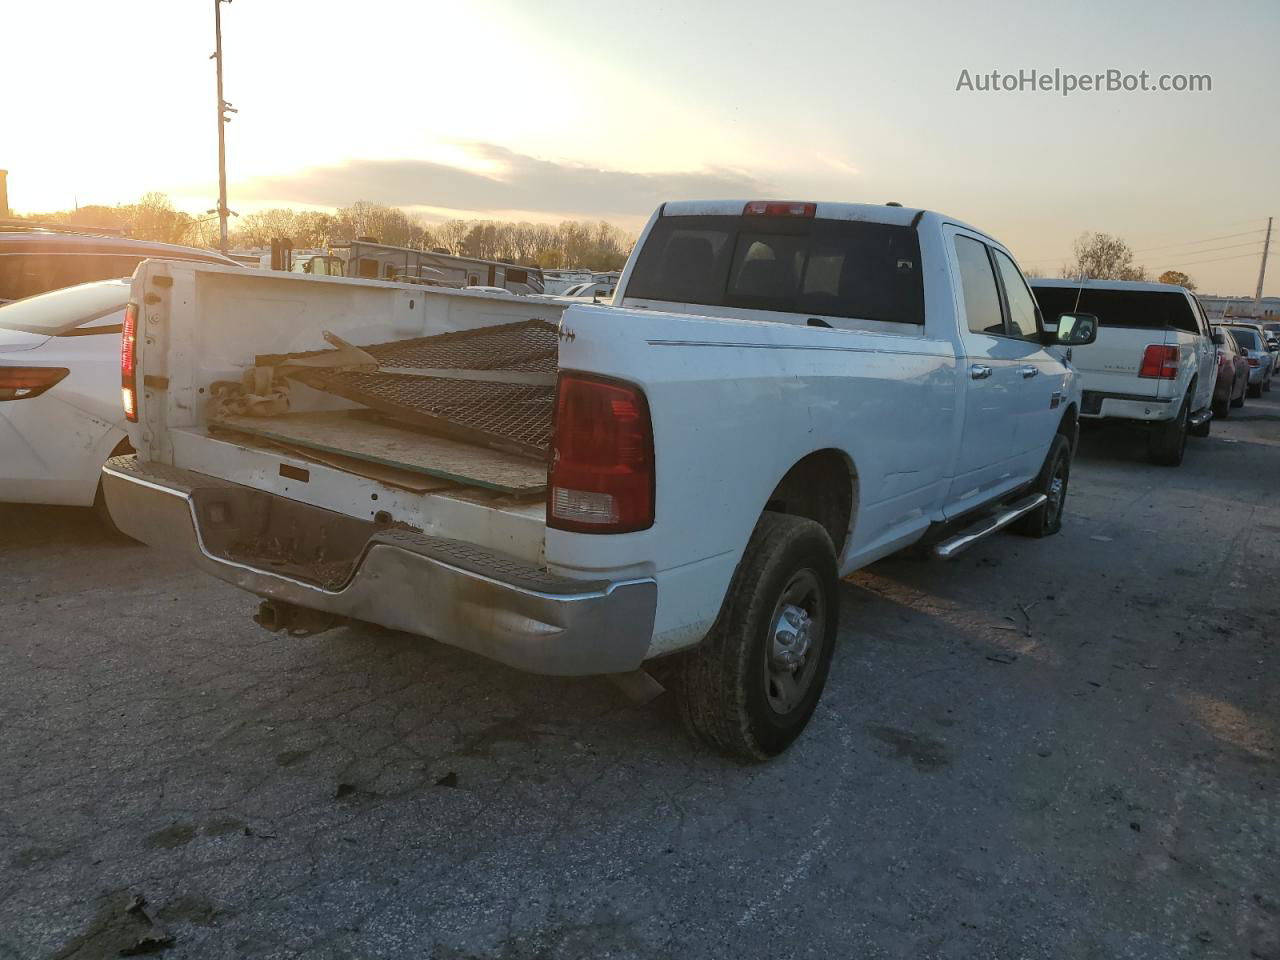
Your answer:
<point x="1262" y="270"/>
<point x="223" y="109"/>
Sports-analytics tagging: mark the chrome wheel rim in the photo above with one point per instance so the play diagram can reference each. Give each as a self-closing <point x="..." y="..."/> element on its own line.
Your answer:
<point x="797" y="631"/>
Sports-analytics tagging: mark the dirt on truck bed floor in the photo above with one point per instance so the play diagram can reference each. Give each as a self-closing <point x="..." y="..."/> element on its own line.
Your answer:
<point x="1059" y="748"/>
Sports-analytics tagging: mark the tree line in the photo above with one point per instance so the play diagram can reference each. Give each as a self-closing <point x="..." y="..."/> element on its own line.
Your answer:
<point x="566" y="245"/>
<point x="594" y="245"/>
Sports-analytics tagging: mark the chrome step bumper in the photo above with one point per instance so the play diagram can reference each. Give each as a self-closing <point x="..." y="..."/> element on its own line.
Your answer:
<point x="491" y="603"/>
<point x="948" y="548"/>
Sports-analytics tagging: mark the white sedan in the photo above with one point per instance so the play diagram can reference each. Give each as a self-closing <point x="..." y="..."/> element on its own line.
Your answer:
<point x="61" y="416"/>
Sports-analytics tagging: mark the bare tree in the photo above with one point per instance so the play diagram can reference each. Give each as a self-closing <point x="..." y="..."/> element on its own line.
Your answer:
<point x="1101" y="256"/>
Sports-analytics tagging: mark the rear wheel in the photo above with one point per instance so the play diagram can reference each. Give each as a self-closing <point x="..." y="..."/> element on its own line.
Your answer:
<point x="750" y="688"/>
<point x="1255" y="390"/>
<point x="1168" y="440"/>
<point x="1054" y="476"/>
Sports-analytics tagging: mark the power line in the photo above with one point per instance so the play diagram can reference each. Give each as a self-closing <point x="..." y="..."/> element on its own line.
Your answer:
<point x="1188" y="243"/>
<point x="1192" y="263"/>
<point x="1184" y="243"/>
<point x="1189" y="253"/>
<point x="1228" y="246"/>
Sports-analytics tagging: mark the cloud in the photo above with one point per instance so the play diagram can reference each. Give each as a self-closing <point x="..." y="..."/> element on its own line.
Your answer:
<point x="520" y="182"/>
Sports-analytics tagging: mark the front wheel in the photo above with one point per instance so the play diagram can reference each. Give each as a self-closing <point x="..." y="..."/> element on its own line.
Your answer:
<point x="750" y="688"/>
<point x="1046" y="520"/>
<point x="1244" y="389"/>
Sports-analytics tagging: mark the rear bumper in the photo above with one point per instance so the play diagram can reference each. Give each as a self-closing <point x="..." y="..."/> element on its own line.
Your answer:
<point x="1098" y="404"/>
<point x="490" y="603"/>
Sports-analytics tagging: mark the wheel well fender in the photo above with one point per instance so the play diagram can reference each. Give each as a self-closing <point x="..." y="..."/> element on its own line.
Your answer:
<point x="823" y="487"/>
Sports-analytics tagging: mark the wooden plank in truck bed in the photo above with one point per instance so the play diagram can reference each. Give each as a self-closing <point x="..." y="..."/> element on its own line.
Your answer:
<point x="391" y="446"/>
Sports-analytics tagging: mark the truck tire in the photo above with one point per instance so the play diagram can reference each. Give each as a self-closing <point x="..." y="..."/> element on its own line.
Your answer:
<point x="751" y="686"/>
<point x="1054" y="477"/>
<point x="1168" y="441"/>
<point x="1254" y="390"/>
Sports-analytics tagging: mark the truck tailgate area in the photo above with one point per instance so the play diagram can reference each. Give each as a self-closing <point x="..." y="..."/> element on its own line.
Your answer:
<point x="424" y="408"/>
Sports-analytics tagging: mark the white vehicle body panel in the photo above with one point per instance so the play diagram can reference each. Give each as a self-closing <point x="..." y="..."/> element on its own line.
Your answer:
<point x="52" y="446"/>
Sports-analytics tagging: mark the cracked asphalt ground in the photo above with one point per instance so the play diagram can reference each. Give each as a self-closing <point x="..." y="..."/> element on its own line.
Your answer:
<point x="1059" y="748"/>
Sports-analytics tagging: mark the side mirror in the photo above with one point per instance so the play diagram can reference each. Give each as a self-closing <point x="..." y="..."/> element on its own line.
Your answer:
<point x="1076" y="329"/>
<point x="1220" y="338"/>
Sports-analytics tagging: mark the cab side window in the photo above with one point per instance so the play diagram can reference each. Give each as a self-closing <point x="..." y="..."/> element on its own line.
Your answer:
<point x="1022" y="305"/>
<point x="978" y="283"/>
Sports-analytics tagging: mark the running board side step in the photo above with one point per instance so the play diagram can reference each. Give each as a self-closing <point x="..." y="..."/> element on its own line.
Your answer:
<point x="948" y="548"/>
<point x="1201" y="417"/>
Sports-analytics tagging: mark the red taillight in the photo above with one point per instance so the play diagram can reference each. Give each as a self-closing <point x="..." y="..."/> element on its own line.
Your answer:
<point x="779" y="208"/>
<point x="22" y="383"/>
<point x="128" y="363"/>
<point x="601" y="457"/>
<point x="1253" y="361"/>
<point x="1159" y="362"/>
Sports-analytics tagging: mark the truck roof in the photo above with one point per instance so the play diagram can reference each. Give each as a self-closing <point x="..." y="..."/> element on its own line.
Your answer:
<point x="1147" y="286"/>
<point x="869" y="212"/>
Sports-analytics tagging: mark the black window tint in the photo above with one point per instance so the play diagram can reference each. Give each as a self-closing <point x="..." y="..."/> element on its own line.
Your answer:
<point x="1246" y="338"/>
<point x="978" y="283"/>
<point x="1144" y="309"/>
<point x="25" y="275"/>
<point x="766" y="269"/>
<point x="835" y="268"/>
<point x="1022" y="305"/>
<point x="684" y="264"/>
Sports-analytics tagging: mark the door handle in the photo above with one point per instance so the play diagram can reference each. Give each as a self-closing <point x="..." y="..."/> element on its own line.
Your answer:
<point x="1028" y="371"/>
<point x="979" y="371"/>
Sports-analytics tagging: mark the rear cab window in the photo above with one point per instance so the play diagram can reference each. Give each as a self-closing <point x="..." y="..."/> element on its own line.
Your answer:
<point x="844" y="269"/>
<point x="1248" y="339"/>
<point x="1141" y="309"/>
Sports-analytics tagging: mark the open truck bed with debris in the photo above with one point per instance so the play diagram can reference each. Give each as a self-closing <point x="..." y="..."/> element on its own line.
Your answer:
<point x="777" y="398"/>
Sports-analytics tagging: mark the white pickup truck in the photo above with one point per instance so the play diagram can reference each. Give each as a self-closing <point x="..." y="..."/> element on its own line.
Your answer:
<point x="1154" y="361"/>
<point x="781" y="394"/>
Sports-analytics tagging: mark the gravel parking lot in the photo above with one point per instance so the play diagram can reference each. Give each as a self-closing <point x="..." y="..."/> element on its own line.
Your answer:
<point x="1064" y="748"/>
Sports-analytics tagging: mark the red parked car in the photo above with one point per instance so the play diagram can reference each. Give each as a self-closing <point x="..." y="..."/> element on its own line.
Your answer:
<point x="1233" y="375"/>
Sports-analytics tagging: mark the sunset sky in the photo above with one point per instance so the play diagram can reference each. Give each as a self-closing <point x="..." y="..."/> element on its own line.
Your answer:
<point x="568" y="108"/>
